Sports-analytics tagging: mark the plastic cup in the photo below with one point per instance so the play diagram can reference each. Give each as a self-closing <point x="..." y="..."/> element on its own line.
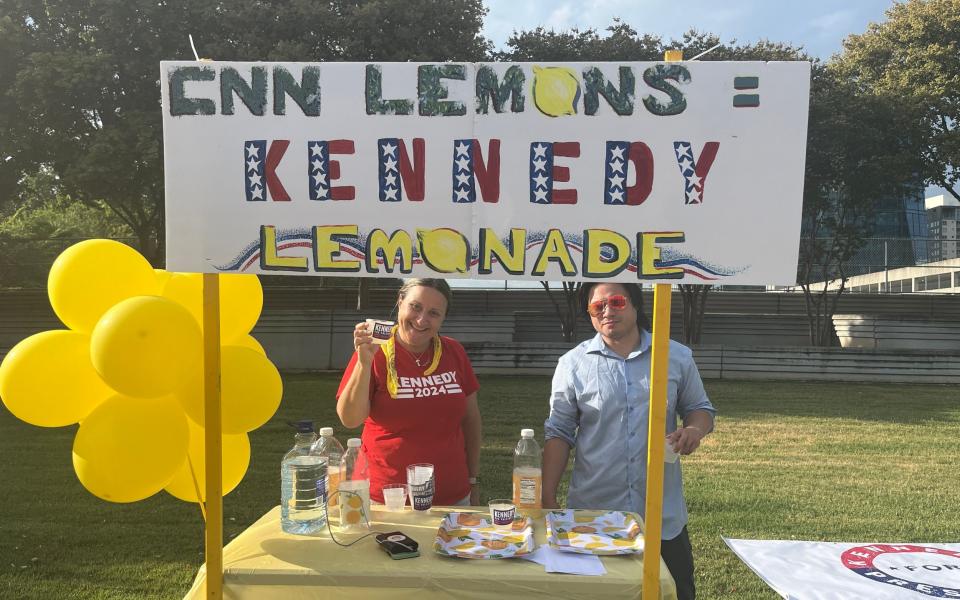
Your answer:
<point x="502" y="512"/>
<point x="380" y="330"/>
<point x="669" y="455"/>
<point x="395" y="496"/>
<point x="421" y="484"/>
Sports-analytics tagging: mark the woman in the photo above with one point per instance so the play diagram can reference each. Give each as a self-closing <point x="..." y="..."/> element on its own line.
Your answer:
<point x="416" y="397"/>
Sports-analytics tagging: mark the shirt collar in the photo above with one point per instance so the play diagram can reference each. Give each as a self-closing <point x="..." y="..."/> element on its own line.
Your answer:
<point x="596" y="345"/>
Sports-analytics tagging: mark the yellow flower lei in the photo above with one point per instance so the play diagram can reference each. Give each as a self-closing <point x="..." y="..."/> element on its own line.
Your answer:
<point x="390" y="352"/>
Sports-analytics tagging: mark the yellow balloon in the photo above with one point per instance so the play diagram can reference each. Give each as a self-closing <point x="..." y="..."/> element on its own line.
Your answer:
<point x="91" y="276"/>
<point x="248" y="341"/>
<point x="236" y="459"/>
<point x="162" y="278"/>
<point x="48" y="379"/>
<point x="146" y="346"/>
<point x="241" y="300"/>
<point x="128" y="449"/>
<point x="250" y="390"/>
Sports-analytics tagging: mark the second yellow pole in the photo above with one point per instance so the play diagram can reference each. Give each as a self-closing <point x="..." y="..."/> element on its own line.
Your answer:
<point x="213" y="535"/>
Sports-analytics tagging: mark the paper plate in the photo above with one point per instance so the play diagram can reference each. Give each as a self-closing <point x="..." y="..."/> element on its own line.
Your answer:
<point x="594" y="532"/>
<point x="472" y="535"/>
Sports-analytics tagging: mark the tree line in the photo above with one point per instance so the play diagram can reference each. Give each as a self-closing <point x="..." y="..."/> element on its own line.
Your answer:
<point x="80" y="121"/>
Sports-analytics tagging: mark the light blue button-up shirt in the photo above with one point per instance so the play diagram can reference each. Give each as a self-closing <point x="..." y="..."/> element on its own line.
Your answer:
<point x="599" y="405"/>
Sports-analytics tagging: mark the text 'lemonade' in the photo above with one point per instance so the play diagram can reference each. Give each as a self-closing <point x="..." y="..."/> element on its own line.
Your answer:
<point x="354" y="487"/>
<point x="303" y="485"/>
<point x="527" y="476"/>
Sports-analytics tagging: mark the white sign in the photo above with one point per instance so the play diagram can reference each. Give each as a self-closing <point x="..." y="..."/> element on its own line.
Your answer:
<point x="672" y="172"/>
<point x="841" y="571"/>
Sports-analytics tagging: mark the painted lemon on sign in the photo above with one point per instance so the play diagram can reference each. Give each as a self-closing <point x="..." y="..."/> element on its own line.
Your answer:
<point x="556" y="90"/>
<point x="444" y="250"/>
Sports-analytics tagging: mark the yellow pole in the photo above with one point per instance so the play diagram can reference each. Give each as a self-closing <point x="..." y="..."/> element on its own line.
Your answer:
<point x="212" y="440"/>
<point x="659" y="366"/>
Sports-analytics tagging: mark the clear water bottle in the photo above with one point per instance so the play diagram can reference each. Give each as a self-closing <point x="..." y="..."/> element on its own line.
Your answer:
<point x="354" y="487"/>
<point x="303" y="485"/>
<point x="328" y="446"/>
<point x="527" y="476"/>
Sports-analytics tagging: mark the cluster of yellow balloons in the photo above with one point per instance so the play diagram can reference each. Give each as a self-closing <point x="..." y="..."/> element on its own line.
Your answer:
<point x="130" y="370"/>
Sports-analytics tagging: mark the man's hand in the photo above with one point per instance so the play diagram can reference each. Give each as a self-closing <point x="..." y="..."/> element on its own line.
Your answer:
<point x="475" y="495"/>
<point x="686" y="439"/>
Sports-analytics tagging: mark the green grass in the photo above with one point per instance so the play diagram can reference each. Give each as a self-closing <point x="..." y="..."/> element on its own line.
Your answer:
<point x="817" y="461"/>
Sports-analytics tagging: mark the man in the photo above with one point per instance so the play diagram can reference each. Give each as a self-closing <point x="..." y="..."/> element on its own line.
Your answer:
<point x="599" y="405"/>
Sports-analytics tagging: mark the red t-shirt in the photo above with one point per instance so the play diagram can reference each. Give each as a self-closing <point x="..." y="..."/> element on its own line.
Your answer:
<point x="420" y="425"/>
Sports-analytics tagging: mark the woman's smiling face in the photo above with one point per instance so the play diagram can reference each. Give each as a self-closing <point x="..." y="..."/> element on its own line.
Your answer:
<point x="419" y="316"/>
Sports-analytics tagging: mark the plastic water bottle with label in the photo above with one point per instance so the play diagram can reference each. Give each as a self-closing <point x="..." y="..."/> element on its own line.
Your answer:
<point x="328" y="446"/>
<point x="354" y="487"/>
<point x="527" y="476"/>
<point x="303" y="485"/>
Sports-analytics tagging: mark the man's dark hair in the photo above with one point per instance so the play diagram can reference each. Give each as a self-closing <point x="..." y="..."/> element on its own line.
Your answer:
<point x="634" y="292"/>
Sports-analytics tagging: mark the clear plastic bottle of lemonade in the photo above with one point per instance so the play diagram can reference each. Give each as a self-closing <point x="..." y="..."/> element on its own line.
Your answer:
<point x="527" y="476"/>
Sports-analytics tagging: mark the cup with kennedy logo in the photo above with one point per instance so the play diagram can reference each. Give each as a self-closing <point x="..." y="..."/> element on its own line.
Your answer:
<point x="380" y="330"/>
<point x="421" y="485"/>
<point x="502" y="512"/>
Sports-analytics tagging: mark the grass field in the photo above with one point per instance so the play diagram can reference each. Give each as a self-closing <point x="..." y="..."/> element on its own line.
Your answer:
<point x="814" y="461"/>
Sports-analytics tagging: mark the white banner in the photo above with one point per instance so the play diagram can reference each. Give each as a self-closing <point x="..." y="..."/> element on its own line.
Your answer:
<point x="673" y="172"/>
<point x="849" y="571"/>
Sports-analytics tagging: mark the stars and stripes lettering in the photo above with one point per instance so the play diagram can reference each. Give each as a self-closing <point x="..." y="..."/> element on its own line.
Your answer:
<point x="318" y="159"/>
<point x="470" y="171"/>
<point x="260" y="170"/>
<point x="541" y="173"/>
<point x="464" y="188"/>
<point x="544" y="172"/>
<point x="398" y="176"/>
<point x="693" y="169"/>
<point x="253" y="164"/>
<point x="340" y="192"/>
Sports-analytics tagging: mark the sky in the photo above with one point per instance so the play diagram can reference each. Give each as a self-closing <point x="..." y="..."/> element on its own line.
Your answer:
<point x="818" y="25"/>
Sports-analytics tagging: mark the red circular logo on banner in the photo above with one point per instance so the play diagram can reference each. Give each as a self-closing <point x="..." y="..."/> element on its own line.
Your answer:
<point x="923" y="569"/>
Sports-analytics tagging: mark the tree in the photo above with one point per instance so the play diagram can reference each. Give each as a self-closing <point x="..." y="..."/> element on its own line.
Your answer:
<point x="914" y="57"/>
<point x="622" y="44"/>
<point x="856" y="154"/>
<point x="693" y="297"/>
<point x="79" y="83"/>
<point x="45" y="223"/>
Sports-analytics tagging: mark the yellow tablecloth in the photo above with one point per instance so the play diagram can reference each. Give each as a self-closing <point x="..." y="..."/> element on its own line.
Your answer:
<point x="264" y="563"/>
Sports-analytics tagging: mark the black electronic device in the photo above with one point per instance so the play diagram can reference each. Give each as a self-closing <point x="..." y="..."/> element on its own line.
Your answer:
<point x="398" y="545"/>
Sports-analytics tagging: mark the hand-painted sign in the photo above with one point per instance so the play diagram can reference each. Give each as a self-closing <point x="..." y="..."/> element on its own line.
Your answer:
<point x="672" y="172"/>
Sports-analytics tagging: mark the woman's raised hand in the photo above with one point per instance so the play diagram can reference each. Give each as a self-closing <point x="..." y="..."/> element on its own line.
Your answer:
<point x="363" y="343"/>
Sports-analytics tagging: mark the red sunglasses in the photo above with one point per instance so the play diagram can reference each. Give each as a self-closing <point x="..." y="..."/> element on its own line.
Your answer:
<point x="616" y="302"/>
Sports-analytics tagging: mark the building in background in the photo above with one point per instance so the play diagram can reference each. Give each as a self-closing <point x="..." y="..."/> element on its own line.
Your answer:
<point x="898" y="235"/>
<point x="942" y="223"/>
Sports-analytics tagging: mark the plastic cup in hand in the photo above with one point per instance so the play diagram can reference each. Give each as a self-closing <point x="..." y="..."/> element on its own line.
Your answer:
<point x="380" y="330"/>
<point x="395" y="496"/>
<point x="421" y="484"/>
<point x="502" y="513"/>
<point x="669" y="454"/>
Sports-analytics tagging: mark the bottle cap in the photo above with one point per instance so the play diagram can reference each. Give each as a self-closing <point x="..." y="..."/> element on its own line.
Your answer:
<point x="527" y="433"/>
<point x="353" y="443"/>
<point x="326" y="431"/>
<point x="301" y="426"/>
